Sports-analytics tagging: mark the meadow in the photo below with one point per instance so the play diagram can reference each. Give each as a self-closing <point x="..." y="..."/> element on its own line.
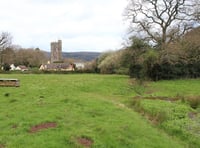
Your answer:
<point x="90" y="110"/>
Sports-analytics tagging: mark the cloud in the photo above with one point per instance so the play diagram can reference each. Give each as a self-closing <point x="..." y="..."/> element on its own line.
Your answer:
<point x="81" y="24"/>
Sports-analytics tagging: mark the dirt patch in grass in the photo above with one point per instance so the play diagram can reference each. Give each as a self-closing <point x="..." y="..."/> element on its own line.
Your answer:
<point x="42" y="126"/>
<point x="14" y="126"/>
<point x="86" y="142"/>
<point x="192" y="115"/>
<point x="2" y="146"/>
<point x="171" y="99"/>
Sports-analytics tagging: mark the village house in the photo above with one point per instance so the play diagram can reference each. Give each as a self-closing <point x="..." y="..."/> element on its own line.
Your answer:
<point x="57" y="67"/>
<point x="12" y="67"/>
<point x="79" y="65"/>
<point x="20" y="67"/>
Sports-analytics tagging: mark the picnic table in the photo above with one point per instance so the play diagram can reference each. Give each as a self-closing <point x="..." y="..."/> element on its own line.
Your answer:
<point x="8" y="82"/>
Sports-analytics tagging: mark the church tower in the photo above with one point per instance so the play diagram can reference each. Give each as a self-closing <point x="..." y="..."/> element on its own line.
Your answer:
<point x="56" y="51"/>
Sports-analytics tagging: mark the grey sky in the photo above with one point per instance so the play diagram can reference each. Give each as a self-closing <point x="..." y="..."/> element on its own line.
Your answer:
<point x="82" y="25"/>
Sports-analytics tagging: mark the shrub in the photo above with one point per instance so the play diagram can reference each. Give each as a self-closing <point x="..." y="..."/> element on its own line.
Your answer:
<point x="136" y="71"/>
<point x="6" y="67"/>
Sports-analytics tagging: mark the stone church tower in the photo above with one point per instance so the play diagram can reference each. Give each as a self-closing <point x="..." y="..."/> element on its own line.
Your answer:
<point x="56" y="51"/>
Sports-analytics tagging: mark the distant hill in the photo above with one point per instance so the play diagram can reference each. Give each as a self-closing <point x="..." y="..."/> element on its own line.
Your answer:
<point x="85" y="56"/>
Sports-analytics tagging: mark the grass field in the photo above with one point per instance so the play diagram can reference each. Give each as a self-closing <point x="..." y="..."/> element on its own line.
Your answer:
<point x="87" y="110"/>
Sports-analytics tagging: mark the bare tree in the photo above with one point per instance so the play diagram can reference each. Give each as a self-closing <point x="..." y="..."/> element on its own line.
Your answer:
<point x="30" y="57"/>
<point x="5" y="40"/>
<point x="8" y="56"/>
<point x="162" y="21"/>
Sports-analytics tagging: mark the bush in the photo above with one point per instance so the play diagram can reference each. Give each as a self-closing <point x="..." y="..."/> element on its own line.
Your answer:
<point x="6" y="67"/>
<point x="136" y="71"/>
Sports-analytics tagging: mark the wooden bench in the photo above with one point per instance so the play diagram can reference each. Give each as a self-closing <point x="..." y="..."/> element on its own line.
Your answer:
<point x="9" y="82"/>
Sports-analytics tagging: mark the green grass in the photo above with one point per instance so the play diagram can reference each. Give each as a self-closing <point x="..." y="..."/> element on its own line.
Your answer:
<point x="83" y="106"/>
<point x="176" y="88"/>
<point x="173" y="106"/>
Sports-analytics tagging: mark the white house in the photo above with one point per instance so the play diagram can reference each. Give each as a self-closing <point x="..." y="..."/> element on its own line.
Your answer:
<point x="12" y="67"/>
<point x="79" y="65"/>
<point x="21" y="67"/>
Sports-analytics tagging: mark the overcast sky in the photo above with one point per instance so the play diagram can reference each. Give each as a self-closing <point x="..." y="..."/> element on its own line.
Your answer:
<point x="82" y="25"/>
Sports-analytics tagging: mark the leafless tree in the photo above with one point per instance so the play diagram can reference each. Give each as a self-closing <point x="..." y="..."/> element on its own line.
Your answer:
<point x="162" y="21"/>
<point x="30" y="57"/>
<point x="8" y="56"/>
<point x="5" y="40"/>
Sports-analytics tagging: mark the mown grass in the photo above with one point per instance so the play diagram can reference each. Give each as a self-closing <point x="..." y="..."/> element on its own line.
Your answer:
<point x="173" y="106"/>
<point x="83" y="106"/>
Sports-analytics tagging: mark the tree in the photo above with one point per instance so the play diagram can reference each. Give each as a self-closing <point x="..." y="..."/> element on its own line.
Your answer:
<point x="162" y="21"/>
<point x="5" y="42"/>
<point x="91" y="66"/>
<point x="111" y="63"/>
<point x="29" y="57"/>
<point x="6" y="67"/>
<point x="103" y="56"/>
<point x="135" y="52"/>
<point x="8" y="55"/>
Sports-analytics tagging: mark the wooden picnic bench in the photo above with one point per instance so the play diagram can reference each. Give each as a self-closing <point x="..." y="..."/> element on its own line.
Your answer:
<point x="6" y="82"/>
